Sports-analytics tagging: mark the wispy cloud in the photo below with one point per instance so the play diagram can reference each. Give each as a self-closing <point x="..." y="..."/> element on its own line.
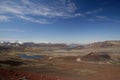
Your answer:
<point x="94" y="11"/>
<point x="11" y="30"/>
<point x="43" y="10"/>
<point x="105" y="18"/>
<point x="4" y="18"/>
<point x="41" y="21"/>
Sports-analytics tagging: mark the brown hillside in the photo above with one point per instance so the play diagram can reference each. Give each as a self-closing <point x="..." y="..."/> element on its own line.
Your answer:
<point x="104" y="44"/>
<point x="96" y="57"/>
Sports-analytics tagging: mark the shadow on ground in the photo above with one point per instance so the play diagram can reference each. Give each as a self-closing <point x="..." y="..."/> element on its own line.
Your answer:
<point x="11" y="62"/>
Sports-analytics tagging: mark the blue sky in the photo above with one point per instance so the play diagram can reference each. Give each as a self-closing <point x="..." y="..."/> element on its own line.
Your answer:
<point x="60" y="21"/>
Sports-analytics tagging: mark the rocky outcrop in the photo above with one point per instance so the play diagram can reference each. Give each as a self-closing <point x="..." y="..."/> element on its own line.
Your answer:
<point x="96" y="56"/>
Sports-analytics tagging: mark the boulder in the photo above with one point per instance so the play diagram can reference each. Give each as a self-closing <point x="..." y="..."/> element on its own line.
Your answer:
<point x="78" y="59"/>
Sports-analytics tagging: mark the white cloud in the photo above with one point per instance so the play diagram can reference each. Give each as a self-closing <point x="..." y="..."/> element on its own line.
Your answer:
<point x="41" y="21"/>
<point x="94" y="11"/>
<point x="11" y="30"/>
<point x="29" y="10"/>
<point x="4" y="18"/>
<point x="105" y="18"/>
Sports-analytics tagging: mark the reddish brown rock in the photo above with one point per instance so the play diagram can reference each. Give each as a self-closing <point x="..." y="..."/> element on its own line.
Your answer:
<point x="19" y="75"/>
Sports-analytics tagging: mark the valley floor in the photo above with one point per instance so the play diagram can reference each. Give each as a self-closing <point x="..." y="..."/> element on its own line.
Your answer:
<point x="66" y="67"/>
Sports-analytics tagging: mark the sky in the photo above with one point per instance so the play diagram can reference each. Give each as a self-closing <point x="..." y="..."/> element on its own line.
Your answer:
<point x="59" y="21"/>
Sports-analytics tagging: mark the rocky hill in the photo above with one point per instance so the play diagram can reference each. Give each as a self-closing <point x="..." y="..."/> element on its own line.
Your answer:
<point x="98" y="56"/>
